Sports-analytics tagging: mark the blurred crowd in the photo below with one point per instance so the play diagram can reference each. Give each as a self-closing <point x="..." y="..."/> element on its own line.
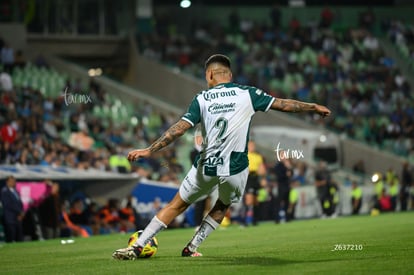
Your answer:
<point x="402" y="36"/>
<point x="346" y="70"/>
<point x="53" y="216"/>
<point x="274" y="193"/>
<point x="39" y="129"/>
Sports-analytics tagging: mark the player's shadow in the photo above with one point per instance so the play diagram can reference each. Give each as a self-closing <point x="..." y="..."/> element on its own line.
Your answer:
<point x="264" y="261"/>
<point x="252" y="260"/>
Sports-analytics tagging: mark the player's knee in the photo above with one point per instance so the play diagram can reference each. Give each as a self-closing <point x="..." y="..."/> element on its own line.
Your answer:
<point x="220" y="207"/>
<point x="218" y="212"/>
<point x="178" y="204"/>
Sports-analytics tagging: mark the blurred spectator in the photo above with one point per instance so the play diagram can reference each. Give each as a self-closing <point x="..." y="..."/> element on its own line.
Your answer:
<point x="109" y="216"/>
<point x="31" y="224"/>
<point x="91" y="217"/>
<point x="390" y="176"/>
<point x="263" y="202"/>
<point x="49" y="212"/>
<point x="275" y="17"/>
<point x="333" y="199"/>
<point x="76" y="212"/>
<point x="81" y="140"/>
<point x="394" y="192"/>
<point x="167" y="176"/>
<point x="127" y="218"/>
<point x="140" y="221"/>
<point x="356" y="198"/>
<point x="384" y="201"/>
<point x="299" y="172"/>
<point x="412" y="195"/>
<point x="371" y="43"/>
<point x="283" y="172"/>
<point x="367" y="19"/>
<point x="322" y="181"/>
<point x="246" y="25"/>
<point x="293" y="200"/>
<point x="81" y="215"/>
<point x="156" y="206"/>
<point x="378" y="187"/>
<point x="406" y="183"/>
<point x="68" y="228"/>
<point x="327" y="17"/>
<point x="7" y="57"/>
<point x="48" y="159"/>
<point x="5" y="152"/>
<point x="12" y="211"/>
<point x="294" y="25"/>
<point x="143" y="170"/>
<point x="118" y="162"/>
<point x="8" y="133"/>
<point x="6" y="83"/>
<point x="323" y="60"/>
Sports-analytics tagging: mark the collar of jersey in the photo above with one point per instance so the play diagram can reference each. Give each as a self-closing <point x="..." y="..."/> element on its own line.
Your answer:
<point x="221" y="84"/>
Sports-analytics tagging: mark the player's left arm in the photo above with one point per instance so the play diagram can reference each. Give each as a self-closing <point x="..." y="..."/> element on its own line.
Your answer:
<point x="295" y="106"/>
<point x="174" y="132"/>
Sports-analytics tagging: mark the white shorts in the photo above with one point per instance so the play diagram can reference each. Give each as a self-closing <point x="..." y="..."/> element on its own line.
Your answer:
<point x="196" y="184"/>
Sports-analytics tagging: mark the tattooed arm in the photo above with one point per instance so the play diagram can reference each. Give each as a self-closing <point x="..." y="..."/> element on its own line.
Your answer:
<point x="295" y="106"/>
<point x="174" y="132"/>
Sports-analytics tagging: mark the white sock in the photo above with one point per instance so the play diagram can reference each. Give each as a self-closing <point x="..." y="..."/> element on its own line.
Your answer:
<point x="207" y="226"/>
<point x="150" y="231"/>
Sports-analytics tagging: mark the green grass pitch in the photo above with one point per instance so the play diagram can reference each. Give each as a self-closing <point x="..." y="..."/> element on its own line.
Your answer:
<point x="299" y="247"/>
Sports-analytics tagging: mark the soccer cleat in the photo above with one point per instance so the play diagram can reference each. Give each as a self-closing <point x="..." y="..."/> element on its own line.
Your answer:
<point x="187" y="253"/>
<point x="129" y="253"/>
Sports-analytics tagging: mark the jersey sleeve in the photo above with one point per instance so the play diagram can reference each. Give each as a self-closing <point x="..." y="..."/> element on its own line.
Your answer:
<point x="193" y="114"/>
<point x="261" y="100"/>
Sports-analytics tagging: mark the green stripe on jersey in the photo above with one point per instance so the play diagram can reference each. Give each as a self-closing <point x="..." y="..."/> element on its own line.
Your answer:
<point x="193" y="112"/>
<point x="238" y="162"/>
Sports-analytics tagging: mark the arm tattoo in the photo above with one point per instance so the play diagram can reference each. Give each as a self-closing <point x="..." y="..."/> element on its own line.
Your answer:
<point x="293" y="106"/>
<point x="282" y="104"/>
<point x="174" y="132"/>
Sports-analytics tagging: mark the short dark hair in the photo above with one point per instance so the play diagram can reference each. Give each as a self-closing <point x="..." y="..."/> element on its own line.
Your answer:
<point x="218" y="58"/>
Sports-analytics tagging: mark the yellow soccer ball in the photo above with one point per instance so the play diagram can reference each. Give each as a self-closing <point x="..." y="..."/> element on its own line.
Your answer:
<point x="150" y="249"/>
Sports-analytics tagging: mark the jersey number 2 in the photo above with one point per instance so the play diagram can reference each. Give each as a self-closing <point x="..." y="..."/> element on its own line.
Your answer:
<point x="221" y="124"/>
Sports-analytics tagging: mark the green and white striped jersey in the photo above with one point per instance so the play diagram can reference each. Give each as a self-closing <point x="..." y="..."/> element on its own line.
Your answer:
<point x="224" y="112"/>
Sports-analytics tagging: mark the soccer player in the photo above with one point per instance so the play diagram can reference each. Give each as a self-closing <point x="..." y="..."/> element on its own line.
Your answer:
<point x="224" y="112"/>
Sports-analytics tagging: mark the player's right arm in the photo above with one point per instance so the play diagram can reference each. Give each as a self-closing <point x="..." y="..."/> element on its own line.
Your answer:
<point x="174" y="132"/>
<point x="189" y="119"/>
